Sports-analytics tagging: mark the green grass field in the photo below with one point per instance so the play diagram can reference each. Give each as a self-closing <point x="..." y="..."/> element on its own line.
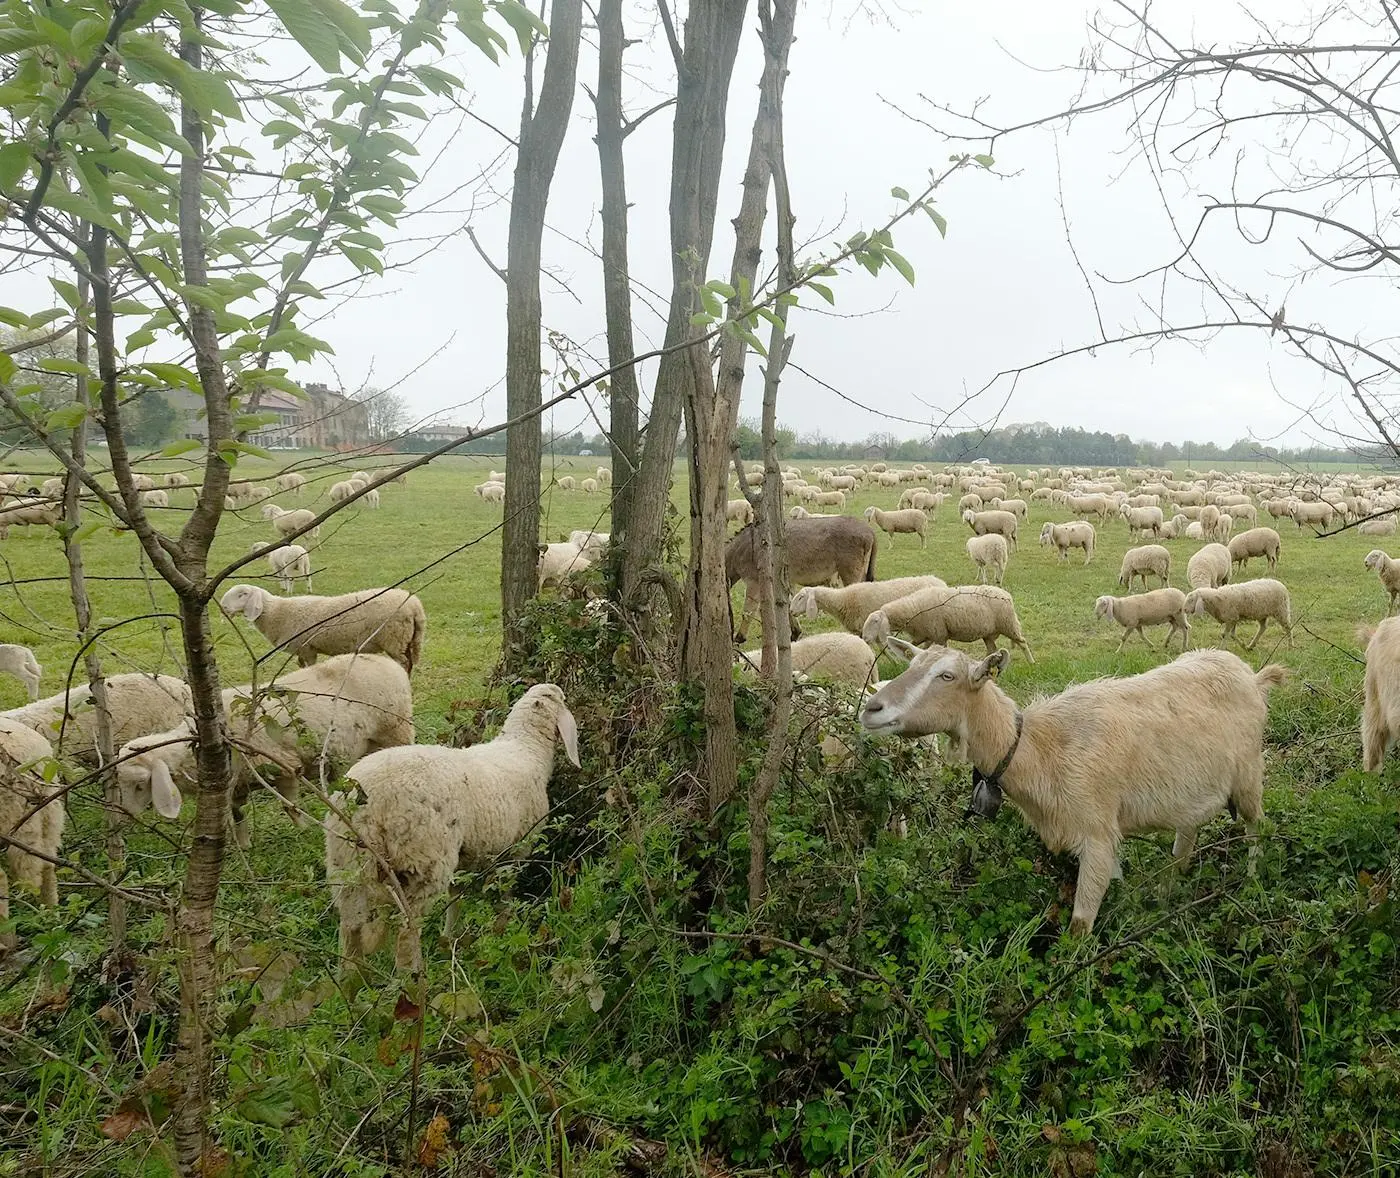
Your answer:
<point x="1220" y="1022"/>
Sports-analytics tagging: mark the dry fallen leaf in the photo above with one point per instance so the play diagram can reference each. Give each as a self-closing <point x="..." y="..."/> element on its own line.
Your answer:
<point x="433" y="1144"/>
<point x="406" y="1010"/>
<point x="130" y="1116"/>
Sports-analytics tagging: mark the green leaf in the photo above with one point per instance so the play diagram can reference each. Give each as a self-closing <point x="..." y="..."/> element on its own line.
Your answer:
<point x="85" y="531"/>
<point x="7" y="368"/>
<point x="12" y="318"/>
<point x="66" y="417"/>
<point x="985" y="160"/>
<point x="525" y="23"/>
<point x="174" y="375"/>
<point x="74" y="202"/>
<point x="823" y="290"/>
<point x="12" y="40"/>
<point x="67" y="291"/>
<point x="362" y="259"/>
<point x="14" y="162"/>
<point x="62" y="364"/>
<point x="354" y="32"/>
<point x="310" y="29"/>
<point x="183" y="446"/>
<point x="141" y="338"/>
<point x="939" y="220"/>
<point x="720" y="287"/>
<point x="899" y="193"/>
<point x="128" y="107"/>
<point x="900" y="263"/>
<point x="282" y="131"/>
<point x="700" y="319"/>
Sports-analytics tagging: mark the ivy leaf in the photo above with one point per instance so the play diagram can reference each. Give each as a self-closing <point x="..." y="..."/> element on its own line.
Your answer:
<point x="310" y="29"/>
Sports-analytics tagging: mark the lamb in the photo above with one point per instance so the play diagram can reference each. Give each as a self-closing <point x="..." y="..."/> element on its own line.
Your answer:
<point x="389" y="621"/>
<point x="852" y="604"/>
<point x="558" y="561"/>
<point x="1066" y="536"/>
<point x="1253" y="601"/>
<point x="290" y="482"/>
<point x="20" y="662"/>
<point x="1149" y="558"/>
<point x="1089" y="766"/>
<point x="1388" y="570"/>
<point x="287" y="563"/>
<point x="1209" y="567"/>
<point x="967" y="613"/>
<point x="21" y="791"/>
<point x="1380" y="714"/>
<point x="818" y="549"/>
<point x="1263" y="542"/>
<point x="287" y="522"/>
<point x="589" y="486"/>
<point x="989" y="552"/>
<point x="740" y="511"/>
<point x="911" y="521"/>
<point x="838" y="656"/>
<point x="1147" y="609"/>
<point x="138" y="704"/>
<point x="425" y="808"/>
<point x="307" y="722"/>
<point x="983" y="523"/>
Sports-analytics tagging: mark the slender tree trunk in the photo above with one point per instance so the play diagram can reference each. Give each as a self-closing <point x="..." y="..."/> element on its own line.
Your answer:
<point x="617" y="293"/>
<point x="82" y="617"/>
<point x="712" y="31"/>
<point x="777" y="27"/>
<point x="541" y="137"/>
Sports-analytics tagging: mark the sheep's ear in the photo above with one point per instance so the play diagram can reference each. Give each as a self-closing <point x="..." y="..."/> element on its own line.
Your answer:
<point x="253" y="607"/>
<point x="904" y="651"/>
<point x="1363" y="635"/>
<point x="568" y="733"/>
<point x="165" y="796"/>
<point x="811" y="607"/>
<point x="989" y="667"/>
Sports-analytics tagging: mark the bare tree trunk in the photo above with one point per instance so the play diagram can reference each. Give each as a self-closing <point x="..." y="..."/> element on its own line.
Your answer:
<point x="541" y="137"/>
<point x="707" y="650"/>
<point x="712" y="31"/>
<point x="617" y="294"/>
<point x="777" y="27"/>
<point x="82" y="617"/>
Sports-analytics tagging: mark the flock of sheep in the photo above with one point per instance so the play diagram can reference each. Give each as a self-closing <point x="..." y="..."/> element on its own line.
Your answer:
<point x="1085" y="767"/>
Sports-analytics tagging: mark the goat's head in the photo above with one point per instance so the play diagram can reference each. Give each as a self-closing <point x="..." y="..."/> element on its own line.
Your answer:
<point x="932" y="695"/>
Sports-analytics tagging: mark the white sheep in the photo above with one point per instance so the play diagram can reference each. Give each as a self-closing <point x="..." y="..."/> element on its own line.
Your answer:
<point x="589" y="486"/>
<point x="1139" y="562"/>
<point x="425" y="808"/>
<point x="559" y="561"/>
<point x="1380" y="714"/>
<point x="1090" y="766"/>
<point x="1209" y="567"/>
<point x="911" y="521"/>
<point x="830" y="499"/>
<point x="984" y="523"/>
<point x="1249" y="601"/>
<point x="175" y="480"/>
<point x="481" y="488"/>
<point x="592" y="543"/>
<point x="989" y="552"/>
<point x="965" y="613"/>
<point x="1263" y="542"/>
<point x="838" y="656"/>
<point x="290" y="482"/>
<point x="1388" y="570"/>
<point x="287" y="522"/>
<point x="852" y="604"/>
<point x="1143" y="519"/>
<point x="343" y="490"/>
<point x="313" y="722"/>
<point x="51" y="488"/>
<point x="20" y="662"/>
<point x="493" y="492"/>
<point x="389" y="621"/>
<point x="287" y="563"/>
<point x="604" y="476"/>
<point x="1158" y="607"/>
<point x="23" y="790"/>
<point x="739" y="511"/>
<point x="138" y="704"/>
<point x="1380" y="526"/>
<point x="29" y="512"/>
<point x="566" y="483"/>
<point x="1079" y="534"/>
<point x="370" y="499"/>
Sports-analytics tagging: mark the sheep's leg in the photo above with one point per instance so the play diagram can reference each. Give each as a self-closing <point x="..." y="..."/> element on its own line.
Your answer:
<point x="1183" y="846"/>
<point x="1122" y="642"/>
<point x="408" y="949"/>
<point x="1375" y="734"/>
<point x="48" y="884"/>
<point x="1098" y="864"/>
<point x="991" y="644"/>
<point x="1263" y="622"/>
<point x="1143" y="635"/>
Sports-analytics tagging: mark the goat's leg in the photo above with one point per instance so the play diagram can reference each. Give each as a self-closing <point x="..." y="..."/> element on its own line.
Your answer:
<point x="1098" y="864"/>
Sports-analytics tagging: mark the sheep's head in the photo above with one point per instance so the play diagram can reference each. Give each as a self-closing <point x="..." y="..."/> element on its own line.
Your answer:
<point x="545" y="701"/>
<point x="870" y="512"/>
<point x="968" y="517"/>
<point x="1047" y="533"/>
<point x="248" y="600"/>
<point x="932" y="695"/>
<point x="876" y="631"/>
<point x="1375" y="558"/>
<point x="1103" y="607"/>
<point x="1195" y="603"/>
<point x="144" y="775"/>
<point x="805" y="601"/>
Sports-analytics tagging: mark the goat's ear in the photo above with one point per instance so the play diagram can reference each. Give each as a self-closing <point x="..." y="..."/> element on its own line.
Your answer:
<point x="165" y="796"/>
<point x="905" y="652"/>
<point x="989" y="667"/>
<point x="568" y="733"/>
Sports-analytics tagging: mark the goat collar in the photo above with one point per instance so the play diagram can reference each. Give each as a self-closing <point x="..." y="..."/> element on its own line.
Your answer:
<point x="986" y="788"/>
<point x="995" y="775"/>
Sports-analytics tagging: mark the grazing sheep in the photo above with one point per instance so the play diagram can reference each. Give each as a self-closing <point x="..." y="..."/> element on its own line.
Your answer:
<point x="739" y="511"/>
<point x="24" y="514"/>
<point x="20" y="662"/>
<point x="852" y="604"/>
<point x="1093" y="504"/>
<point x="287" y="522"/>
<point x="1066" y="536"/>
<point x="1249" y="601"/>
<point x="370" y="499"/>
<point x="558" y="561"/>
<point x="343" y="490"/>
<point x="566" y="483"/>
<point x="1147" y="609"/>
<point x="589" y="486"/>
<point x="312" y="722"/>
<point x="492" y="492"/>
<point x="969" y="502"/>
<point x="1209" y="519"/>
<point x="838" y="656"/>
<point x="829" y="499"/>
<point x="51" y="489"/>
<point x="1143" y="519"/>
<point x="989" y="552"/>
<point x="425" y="808"/>
<point x="966" y="613"/>
<point x="287" y="563"/>
<point x="140" y="482"/>
<point x="1312" y="513"/>
<point x="911" y="521"/>
<point x="1263" y="542"/>
<point x="1382" y="526"/>
<point x="604" y="476"/>
<point x="985" y="523"/>
<point x="138" y="704"/>
<point x="291" y="482"/>
<point x="176" y="480"/>
<point x="387" y="621"/>
<point x="1388" y="570"/>
<point x="21" y="791"/>
<point x="818" y="549"/>
<point x="1209" y="567"/>
<point x="1139" y="562"/>
<point x="1380" y="714"/>
<point x="481" y="488"/>
<point x="1018" y="507"/>
<point x="1090" y="766"/>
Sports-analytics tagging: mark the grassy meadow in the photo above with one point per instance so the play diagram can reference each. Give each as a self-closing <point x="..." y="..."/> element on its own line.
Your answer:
<point x="600" y="1008"/>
